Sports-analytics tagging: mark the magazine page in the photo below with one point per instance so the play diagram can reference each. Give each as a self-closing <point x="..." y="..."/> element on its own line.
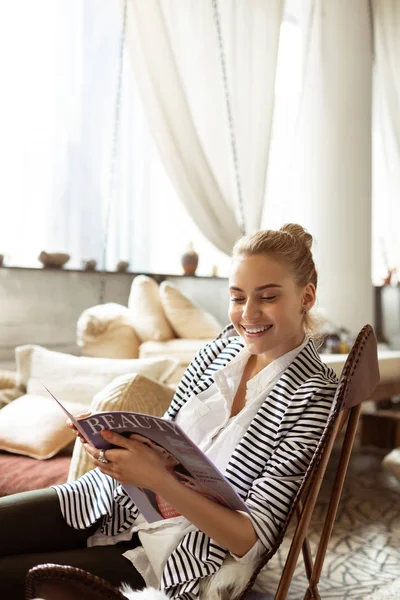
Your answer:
<point x="70" y="417"/>
<point x="180" y="455"/>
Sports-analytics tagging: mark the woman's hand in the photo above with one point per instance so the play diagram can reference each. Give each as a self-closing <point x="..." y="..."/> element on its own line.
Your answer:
<point x="70" y="424"/>
<point x="133" y="463"/>
<point x="137" y="464"/>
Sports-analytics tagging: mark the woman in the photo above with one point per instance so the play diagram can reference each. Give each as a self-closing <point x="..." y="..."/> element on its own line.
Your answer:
<point x="255" y="404"/>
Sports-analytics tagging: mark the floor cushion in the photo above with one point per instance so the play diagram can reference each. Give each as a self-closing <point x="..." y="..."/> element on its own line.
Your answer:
<point x="21" y="473"/>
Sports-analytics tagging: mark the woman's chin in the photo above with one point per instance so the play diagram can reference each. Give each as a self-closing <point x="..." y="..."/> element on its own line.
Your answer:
<point x="258" y="344"/>
<point x="256" y="347"/>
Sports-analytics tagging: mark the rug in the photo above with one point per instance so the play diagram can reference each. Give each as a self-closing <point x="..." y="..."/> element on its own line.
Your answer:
<point x="364" y="551"/>
<point x="387" y="592"/>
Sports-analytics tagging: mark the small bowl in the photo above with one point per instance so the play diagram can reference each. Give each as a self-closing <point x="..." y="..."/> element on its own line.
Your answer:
<point x="53" y="260"/>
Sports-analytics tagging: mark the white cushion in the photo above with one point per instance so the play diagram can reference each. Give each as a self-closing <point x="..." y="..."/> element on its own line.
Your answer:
<point x="391" y="462"/>
<point x="107" y="331"/>
<point x="181" y="350"/>
<point x="77" y="379"/>
<point x="187" y="319"/>
<point x="35" y="426"/>
<point x="147" y="313"/>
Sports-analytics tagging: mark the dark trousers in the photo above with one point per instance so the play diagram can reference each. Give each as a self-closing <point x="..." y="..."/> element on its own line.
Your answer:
<point x="33" y="532"/>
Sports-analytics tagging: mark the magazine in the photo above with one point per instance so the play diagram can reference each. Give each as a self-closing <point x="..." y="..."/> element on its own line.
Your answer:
<point x="181" y="456"/>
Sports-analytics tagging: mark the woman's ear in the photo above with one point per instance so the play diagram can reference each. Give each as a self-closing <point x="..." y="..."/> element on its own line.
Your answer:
<point x="309" y="296"/>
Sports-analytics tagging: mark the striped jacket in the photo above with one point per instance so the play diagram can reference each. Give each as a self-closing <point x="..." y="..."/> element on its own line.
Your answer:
<point x="266" y="468"/>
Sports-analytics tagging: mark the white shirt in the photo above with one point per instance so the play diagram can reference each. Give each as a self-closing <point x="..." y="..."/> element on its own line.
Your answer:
<point x="206" y="419"/>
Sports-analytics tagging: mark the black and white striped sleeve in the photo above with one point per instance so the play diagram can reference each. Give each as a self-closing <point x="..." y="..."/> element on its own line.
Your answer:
<point x="271" y="494"/>
<point x="194" y="372"/>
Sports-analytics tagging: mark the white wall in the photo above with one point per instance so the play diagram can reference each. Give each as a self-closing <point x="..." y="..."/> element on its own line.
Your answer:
<point x="41" y="306"/>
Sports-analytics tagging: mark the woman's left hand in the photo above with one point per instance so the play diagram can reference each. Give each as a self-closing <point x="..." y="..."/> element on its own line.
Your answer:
<point x="133" y="463"/>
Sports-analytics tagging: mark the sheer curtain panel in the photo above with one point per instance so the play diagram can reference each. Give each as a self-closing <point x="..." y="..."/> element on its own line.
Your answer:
<point x="176" y="58"/>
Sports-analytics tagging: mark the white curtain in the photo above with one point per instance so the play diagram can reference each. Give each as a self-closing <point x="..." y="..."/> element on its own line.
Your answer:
<point x="56" y="121"/>
<point x="386" y="139"/>
<point x="176" y="58"/>
<point x="329" y="174"/>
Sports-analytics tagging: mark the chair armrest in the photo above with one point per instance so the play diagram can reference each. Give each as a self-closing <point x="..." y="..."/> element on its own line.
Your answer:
<point x="62" y="582"/>
<point x="133" y="393"/>
<point x="106" y="331"/>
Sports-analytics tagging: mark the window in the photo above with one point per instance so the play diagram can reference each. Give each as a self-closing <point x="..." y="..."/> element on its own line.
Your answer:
<point x="60" y="64"/>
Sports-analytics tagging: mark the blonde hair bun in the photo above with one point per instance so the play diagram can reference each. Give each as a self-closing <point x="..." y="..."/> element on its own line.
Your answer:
<point x="298" y="232"/>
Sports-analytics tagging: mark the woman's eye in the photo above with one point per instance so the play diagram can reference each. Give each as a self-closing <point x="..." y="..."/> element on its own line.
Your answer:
<point x="268" y="298"/>
<point x="237" y="300"/>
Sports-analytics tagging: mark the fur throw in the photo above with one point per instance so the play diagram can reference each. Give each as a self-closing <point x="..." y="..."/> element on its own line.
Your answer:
<point x="146" y="594"/>
<point x="227" y="583"/>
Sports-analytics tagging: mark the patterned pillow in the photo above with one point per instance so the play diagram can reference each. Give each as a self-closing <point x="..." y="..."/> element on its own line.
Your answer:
<point x="134" y="393"/>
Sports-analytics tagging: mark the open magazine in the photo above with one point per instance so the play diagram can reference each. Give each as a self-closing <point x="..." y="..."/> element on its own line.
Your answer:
<point x="180" y="455"/>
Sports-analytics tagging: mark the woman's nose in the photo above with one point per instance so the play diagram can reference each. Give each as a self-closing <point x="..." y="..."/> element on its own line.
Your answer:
<point x="251" y="310"/>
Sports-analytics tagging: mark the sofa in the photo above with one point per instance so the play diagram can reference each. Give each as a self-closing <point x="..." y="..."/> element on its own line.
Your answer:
<point x="154" y="337"/>
<point x="159" y="321"/>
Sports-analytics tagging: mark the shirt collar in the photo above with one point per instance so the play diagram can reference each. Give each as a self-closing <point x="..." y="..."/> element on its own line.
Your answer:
<point x="277" y="366"/>
<point x="236" y="366"/>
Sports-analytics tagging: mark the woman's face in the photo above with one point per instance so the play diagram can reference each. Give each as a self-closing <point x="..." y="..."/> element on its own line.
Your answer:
<point x="266" y="305"/>
<point x="168" y="459"/>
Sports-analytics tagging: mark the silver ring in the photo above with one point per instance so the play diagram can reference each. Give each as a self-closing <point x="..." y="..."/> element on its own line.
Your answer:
<point x="102" y="457"/>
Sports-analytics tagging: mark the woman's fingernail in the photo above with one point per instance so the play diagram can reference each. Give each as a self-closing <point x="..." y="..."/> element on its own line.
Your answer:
<point x="106" y="433"/>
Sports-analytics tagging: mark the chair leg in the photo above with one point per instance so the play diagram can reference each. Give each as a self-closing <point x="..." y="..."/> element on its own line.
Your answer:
<point x="302" y="527"/>
<point x="312" y="594"/>
<point x="335" y="497"/>
<point x="307" y="556"/>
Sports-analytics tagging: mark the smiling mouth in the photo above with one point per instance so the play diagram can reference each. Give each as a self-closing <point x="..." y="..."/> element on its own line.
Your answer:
<point x="256" y="330"/>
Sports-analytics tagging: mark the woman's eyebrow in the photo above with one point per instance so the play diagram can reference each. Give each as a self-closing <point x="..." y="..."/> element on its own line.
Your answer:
<point x="257" y="289"/>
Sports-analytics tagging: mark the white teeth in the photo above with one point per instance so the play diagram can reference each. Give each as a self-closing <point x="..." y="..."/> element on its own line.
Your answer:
<point x="258" y="330"/>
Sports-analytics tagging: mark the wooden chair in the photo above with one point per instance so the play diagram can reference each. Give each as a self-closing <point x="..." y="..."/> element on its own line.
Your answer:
<point x="358" y="380"/>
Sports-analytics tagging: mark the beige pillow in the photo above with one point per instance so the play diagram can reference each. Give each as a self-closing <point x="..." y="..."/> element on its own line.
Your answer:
<point x="187" y="319"/>
<point x="35" y="426"/>
<point x="77" y="379"/>
<point x="130" y="393"/>
<point x="148" y="316"/>
<point x="107" y="331"/>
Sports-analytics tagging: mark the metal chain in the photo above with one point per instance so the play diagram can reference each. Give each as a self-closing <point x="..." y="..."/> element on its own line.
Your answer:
<point x="114" y="149"/>
<point x="217" y="21"/>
